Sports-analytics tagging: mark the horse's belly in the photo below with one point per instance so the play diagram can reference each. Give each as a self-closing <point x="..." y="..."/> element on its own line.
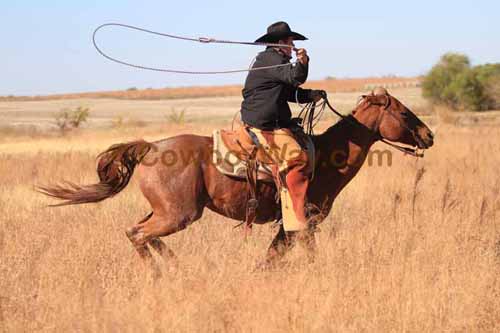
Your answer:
<point x="231" y="197"/>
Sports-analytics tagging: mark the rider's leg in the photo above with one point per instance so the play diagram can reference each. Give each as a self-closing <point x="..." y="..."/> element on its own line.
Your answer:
<point x="291" y="172"/>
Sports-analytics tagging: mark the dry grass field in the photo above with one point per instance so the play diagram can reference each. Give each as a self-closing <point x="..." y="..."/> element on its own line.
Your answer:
<point x="411" y="247"/>
<point x="331" y="84"/>
<point x="33" y="117"/>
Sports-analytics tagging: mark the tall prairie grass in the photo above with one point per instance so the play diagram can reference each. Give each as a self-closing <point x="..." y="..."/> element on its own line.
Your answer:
<point x="410" y="247"/>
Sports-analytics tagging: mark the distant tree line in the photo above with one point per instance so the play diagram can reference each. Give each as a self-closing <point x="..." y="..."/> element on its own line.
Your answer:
<point x="455" y="83"/>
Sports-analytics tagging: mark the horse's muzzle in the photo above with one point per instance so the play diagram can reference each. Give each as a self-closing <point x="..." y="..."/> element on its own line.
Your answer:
<point x="425" y="138"/>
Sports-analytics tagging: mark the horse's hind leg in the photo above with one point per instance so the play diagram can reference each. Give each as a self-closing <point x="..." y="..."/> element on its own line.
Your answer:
<point x="162" y="249"/>
<point x="159" y="225"/>
<point x="176" y="193"/>
<point x="157" y="244"/>
<point x="139" y="243"/>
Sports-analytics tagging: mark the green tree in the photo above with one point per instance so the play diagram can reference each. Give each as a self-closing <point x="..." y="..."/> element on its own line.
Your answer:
<point x="453" y="82"/>
<point x="440" y="85"/>
<point x="493" y="90"/>
<point x="489" y="76"/>
<point x="469" y="92"/>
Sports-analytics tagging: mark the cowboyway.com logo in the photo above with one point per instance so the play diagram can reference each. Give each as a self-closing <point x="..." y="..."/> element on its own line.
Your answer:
<point x="335" y="158"/>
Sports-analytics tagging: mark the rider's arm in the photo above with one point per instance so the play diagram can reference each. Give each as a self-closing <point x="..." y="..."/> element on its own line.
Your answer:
<point x="300" y="95"/>
<point x="306" y="95"/>
<point x="293" y="74"/>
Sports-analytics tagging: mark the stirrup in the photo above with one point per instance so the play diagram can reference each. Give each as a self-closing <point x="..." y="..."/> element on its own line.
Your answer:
<point x="251" y="213"/>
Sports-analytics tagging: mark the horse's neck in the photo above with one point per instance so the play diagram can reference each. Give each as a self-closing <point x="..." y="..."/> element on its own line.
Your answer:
<point x="349" y="139"/>
<point x="341" y="151"/>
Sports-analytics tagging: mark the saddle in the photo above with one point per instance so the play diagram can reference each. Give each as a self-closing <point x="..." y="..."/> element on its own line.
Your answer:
<point x="239" y="154"/>
<point x="234" y="149"/>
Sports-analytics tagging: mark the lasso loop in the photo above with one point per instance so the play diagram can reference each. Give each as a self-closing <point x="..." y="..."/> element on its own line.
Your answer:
<point x="204" y="40"/>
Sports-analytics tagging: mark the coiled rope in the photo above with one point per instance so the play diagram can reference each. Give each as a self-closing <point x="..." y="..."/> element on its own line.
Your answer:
<point x="204" y="40"/>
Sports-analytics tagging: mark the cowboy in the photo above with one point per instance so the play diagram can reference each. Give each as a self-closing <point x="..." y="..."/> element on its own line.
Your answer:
<point x="267" y="116"/>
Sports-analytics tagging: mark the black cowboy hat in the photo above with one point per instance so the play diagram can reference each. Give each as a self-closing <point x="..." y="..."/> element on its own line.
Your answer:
<point x="278" y="31"/>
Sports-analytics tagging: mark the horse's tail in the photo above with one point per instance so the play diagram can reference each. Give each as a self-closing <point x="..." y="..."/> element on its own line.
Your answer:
<point x="115" y="167"/>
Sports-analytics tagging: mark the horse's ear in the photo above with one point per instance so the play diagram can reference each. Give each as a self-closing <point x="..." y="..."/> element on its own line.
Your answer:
<point x="380" y="91"/>
<point x="361" y="100"/>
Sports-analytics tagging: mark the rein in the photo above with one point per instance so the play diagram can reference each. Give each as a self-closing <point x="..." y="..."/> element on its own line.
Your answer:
<point x="204" y="40"/>
<point x="406" y="150"/>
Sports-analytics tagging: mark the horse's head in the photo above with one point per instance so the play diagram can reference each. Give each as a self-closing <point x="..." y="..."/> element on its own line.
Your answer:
<point x="391" y="120"/>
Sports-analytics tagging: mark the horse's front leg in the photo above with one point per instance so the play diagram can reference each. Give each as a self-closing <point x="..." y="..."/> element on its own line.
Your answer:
<point x="280" y="245"/>
<point x="284" y="241"/>
<point x="307" y="240"/>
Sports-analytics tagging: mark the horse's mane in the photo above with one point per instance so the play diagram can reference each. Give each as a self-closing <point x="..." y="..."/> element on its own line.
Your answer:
<point x="348" y="120"/>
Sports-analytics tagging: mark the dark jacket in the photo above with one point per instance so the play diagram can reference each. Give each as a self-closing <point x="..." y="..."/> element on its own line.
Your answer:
<point x="267" y="92"/>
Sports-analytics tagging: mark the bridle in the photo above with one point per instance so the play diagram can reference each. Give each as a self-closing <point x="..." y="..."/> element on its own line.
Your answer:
<point x="376" y="135"/>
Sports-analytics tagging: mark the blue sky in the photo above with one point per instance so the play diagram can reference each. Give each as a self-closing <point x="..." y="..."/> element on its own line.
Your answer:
<point x="46" y="45"/>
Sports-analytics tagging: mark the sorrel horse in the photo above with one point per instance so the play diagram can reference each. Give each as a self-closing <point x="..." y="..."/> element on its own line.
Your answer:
<point x="179" y="187"/>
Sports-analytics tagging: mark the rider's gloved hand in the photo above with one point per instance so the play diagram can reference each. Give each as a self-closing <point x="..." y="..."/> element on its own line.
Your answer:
<point x="302" y="56"/>
<point x="317" y="95"/>
<point x="296" y="121"/>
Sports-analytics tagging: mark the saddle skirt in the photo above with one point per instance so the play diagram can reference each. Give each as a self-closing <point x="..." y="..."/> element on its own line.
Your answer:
<point x="232" y="149"/>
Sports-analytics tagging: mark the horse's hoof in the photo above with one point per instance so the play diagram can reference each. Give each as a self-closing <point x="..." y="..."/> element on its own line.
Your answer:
<point x="263" y="267"/>
<point x="269" y="265"/>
